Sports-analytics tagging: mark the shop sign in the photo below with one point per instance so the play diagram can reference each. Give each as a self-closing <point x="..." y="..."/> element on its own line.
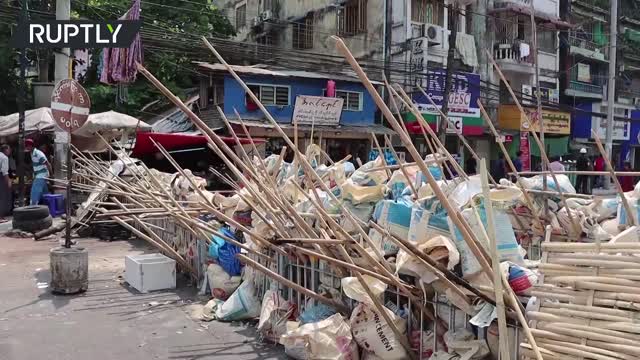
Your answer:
<point x="454" y="126"/>
<point x="463" y="100"/>
<point x="621" y="129"/>
<point x="525" y="150"/>
<point x="317" y="110"/>
<point x="555" y="122"/>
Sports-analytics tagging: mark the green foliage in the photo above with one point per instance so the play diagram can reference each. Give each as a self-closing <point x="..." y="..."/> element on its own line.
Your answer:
<point x="8" y="72"/>
<point x="164" y="59"/>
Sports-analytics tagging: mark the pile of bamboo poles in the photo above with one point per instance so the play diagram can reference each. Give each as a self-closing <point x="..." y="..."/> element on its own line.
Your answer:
<point x="588" y="301"/>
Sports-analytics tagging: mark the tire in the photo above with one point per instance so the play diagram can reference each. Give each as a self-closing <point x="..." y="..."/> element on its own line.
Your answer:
<point x="33" y="226"/>
<point x="30" y="213"/>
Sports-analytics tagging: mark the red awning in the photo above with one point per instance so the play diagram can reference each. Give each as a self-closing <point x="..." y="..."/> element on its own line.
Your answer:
<point x="172" y="141"/>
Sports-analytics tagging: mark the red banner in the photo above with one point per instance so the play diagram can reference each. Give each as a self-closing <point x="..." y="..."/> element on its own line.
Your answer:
<point x="526" y="153"/>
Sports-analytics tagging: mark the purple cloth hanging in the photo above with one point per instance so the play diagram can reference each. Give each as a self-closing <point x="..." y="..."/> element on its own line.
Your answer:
<point x="120" y="64"/>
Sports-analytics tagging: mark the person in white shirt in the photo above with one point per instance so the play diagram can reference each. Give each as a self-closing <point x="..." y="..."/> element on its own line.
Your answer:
<point x="6" y="192"/>
<point x="41" y="171"/>
<point x="556" y="165"/>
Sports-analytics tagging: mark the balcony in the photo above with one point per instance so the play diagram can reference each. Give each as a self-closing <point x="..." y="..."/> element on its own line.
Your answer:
<point x="587" y="48"/>
<point x="585" y="90"/>
<point x="510" y="58"/>
<point x="542" y="7"/>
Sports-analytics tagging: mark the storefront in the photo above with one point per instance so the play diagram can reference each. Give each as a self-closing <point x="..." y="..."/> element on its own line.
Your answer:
<point x="557" y="127"/>
<point x="463" y="111"/>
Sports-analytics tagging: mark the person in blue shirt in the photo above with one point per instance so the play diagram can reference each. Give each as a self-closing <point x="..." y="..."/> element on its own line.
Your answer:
<point x="41" y="171"/>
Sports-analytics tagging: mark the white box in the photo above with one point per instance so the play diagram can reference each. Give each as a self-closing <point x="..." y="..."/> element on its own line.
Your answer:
<point x="150" y="272"/>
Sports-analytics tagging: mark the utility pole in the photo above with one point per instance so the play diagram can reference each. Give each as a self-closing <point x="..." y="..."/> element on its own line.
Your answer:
<point x="61" y="72"/>
<point x="611" y="87"/>
<point x="534" y="53"/>
<point x="453" y="20"/>
<point x="22" y="97"/>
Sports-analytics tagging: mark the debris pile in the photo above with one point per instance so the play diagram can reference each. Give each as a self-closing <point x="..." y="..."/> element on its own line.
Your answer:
<point x="387" y="261"/>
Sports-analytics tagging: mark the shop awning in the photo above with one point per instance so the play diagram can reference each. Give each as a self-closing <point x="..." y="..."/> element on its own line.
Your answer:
<point x="345" y="129"/>
<point x="171" y="141"/>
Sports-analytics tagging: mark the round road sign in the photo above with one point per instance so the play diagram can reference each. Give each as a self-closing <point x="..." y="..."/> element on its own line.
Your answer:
<point x="70" y="105"/>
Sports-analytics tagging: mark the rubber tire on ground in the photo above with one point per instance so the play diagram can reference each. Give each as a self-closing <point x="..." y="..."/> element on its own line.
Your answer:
<point x="30" y="213"/>
<point x="33" y="226"/>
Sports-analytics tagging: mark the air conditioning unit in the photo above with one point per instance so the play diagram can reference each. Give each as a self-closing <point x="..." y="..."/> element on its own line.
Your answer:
<point x="636" y="101"/>
<point x="434" y="34"/>
<point x="266" y="15"/>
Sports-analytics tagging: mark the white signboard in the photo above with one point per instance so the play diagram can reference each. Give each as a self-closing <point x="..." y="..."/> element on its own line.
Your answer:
<point x="418" y="61"/>
<point x="454" y="125"/>
<point x="317" y="110"/>
<point x="621" y="129"/>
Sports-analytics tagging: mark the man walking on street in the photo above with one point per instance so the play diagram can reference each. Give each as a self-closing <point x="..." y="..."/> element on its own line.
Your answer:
<point x="582" y="164"/>
<point x="6" y="192"/>
<point x="599" y="166"/>
<point x="41" y="171"/>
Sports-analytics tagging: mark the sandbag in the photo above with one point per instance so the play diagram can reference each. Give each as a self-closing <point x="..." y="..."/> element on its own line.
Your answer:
<point x="329" y="339"/>
<point x="221" y="283"/>
<point x="241" y="305"/>
<point x="394" y="216"/>
<point x="353" y="289"/>
<point x="358" y="194"/>
<point x="273" y="315"/>
<point x="439" y="248"/>
<point x="364" y="177"/>
<point x="373" y="334"/>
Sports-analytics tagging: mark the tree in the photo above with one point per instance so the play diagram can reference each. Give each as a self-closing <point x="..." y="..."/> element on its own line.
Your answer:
<point x="169" y="39"/>
<point x="9" y="67"/>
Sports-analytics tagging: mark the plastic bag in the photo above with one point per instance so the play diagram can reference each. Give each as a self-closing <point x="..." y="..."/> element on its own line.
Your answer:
<point x="364" y="177"/>
<point x="358" y="194"/>
<point x="329" y="339"/>
<point x="315" y="313"/>
<point x="227" y="255"/>
<point x="241" y="305"/>
<point x="222" y="284"/>
<point x="373" y="334"/>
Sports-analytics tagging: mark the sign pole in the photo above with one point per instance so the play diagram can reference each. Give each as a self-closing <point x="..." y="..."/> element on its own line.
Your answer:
<point x="67" y="236"/>
<point x="70" y="109"/>
<point x="22" y="95"/>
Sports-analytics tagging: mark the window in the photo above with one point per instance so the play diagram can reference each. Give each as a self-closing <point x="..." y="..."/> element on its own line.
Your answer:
<point x="427" y="11"/>
<point x="521" y="28"/>
<point x="468" y="18"/>
<point x="547" y="41"/>
<point x="352" y="99"/>
<point x="352" y="18"/>
<point x="274" y="95"/>
<point x="303" y="33"/>
<point x="241" y="16"/>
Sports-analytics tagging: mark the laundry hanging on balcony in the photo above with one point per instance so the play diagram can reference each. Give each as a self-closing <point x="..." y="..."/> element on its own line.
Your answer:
<point x="119" y="65"/>
<point x="524" y="50"/>
<point x="466" y="46"/>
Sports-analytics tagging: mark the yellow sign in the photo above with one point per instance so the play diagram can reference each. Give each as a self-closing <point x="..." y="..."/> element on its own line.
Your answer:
<point x="555" y="122"/>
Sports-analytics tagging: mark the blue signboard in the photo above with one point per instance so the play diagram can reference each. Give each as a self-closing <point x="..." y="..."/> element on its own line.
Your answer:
<point x="463" y="100"/>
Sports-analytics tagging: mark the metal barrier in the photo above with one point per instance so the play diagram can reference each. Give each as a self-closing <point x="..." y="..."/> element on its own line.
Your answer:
<point x="318" y="276"/>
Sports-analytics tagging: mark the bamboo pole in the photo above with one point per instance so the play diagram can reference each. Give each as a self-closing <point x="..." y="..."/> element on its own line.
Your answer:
<point x="254" y="264"/>
<point x="497" y="278"/>
<point x="625" y="202"/>
<point x="543" y="152"/>
<point x="527" y="198"/>
<point x="460" y="136"/>
<point x="414" y="153"/>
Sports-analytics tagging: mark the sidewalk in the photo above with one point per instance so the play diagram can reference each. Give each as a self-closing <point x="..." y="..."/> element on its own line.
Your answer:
<point x="110" y="321"/>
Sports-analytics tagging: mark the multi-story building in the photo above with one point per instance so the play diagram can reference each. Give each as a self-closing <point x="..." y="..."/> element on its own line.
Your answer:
<point x="308" y="25"/>
<point x="514" y="50"/>
<point x="585" y="73"/>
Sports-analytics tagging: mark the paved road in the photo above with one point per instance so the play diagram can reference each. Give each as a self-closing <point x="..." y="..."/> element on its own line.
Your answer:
<point x="110" y="321"/>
